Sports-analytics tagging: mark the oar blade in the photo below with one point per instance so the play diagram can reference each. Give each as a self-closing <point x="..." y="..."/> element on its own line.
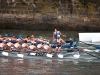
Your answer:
<point x="49" y="55"/>
<point x="60" y="55"/>
<point x="20" y="55"/>
<point x="5" y="53"/>
<point x="33" y="54"/>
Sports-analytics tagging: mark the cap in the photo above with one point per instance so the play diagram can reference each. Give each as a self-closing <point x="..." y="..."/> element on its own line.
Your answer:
<point x="5" y="35"/>
<point x="12" y="34"/>
<point x="40" y="36"/>
<point x="20" y="36"/>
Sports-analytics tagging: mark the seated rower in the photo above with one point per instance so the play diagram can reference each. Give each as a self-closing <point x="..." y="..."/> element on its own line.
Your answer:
<point x="47" y="47"/>
<point x="20" y="37"/>
<point x="25" y="45"/>
<point x="27" y="39"/>
<point x="3" y="46"/>
<point x="1" y="38"/>
<point x="6" y="38"/>
<point x="59" y="43"/>
<point x="32" y="47"/>
<point x="13" y="38"/>
<point x="40" y="39"/>
<point x="11" y="45"/>
<point x="18" y="46"/>
<point x="40" y="46"/>
<point x="33" y="40"/>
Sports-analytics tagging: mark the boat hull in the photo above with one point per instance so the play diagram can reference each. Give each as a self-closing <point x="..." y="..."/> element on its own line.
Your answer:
<point x="67" y="56"/>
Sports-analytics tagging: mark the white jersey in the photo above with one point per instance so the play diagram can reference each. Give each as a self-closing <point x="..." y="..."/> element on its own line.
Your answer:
<point x="45" y="47"/>
<point x="31" y="47"/>
<point x="59" y="40"/>
<point x="9" y="44"/>
<point x="39" y="46"/>
<point x="16" y="45"/>
<point x="23" y="45"/>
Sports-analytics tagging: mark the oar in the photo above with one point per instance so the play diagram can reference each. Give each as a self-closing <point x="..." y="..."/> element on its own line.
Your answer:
<point x="89" y="53"/>
<point x="7" y="54"/>
<point x="79" y="41"/>
<point x="88" y="50"/>
<point x="49" y="55"/>
<point x="86" y="44"/>
<point x="92" y="55"/>
<point x="75" y="55"/>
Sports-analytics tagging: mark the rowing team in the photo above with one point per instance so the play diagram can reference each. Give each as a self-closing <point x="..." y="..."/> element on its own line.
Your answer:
<point x="30" y="43"/>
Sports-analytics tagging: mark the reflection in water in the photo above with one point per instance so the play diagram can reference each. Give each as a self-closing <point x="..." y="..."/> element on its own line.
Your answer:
<point x="15" y="66"/>
<point x="75" y="62"/>
<point x="4" y="60"/>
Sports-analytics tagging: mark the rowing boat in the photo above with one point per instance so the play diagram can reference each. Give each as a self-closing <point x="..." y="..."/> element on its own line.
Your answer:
<point x="63" y="55"/>
<point x="66" y="49"/>
<point x="66" y="53"/>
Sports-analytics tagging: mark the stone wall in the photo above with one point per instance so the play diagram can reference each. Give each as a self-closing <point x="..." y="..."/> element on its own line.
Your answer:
<point x="29" y="14"/>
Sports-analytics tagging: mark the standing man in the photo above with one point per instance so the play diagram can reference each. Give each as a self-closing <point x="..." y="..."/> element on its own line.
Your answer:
<point x="55" y="35"/>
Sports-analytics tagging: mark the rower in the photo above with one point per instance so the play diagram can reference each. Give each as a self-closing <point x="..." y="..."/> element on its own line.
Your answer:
<point x="39" y="41"/>
<point x="32" y="47"/>
<point x="6" y="38"/>
<point x="3" y="46"/>
<point x="25" y="45"/>
<point x="18" y="46"/>
<point x="32" y="38"/>
<point x="47" y="47"/>
<point x="59" y="43"/>
<point x="40" y="38"/>
<point x="1" y="38"/>
<point x="28" y="39"/>
<point x="11" y="45"/>
<point x="40" y="46"/>
<point x="20" y="37"/>
<point x="13" y="38"/>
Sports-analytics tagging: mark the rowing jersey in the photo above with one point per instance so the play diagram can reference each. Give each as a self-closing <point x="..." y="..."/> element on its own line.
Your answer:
<point x="56" y="34"/>
<point x="59" y="42"/>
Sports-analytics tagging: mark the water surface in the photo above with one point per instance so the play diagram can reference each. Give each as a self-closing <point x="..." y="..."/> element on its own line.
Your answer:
<point x="15" y="66"/>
